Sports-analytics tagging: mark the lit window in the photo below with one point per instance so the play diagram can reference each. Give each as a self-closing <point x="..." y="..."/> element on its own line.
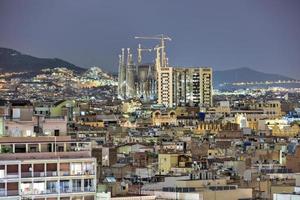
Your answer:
<point x="28" y="133"/>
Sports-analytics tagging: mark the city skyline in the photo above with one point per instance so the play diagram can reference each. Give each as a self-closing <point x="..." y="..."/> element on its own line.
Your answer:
<point x="149" y="100"/>
<point x="263" y="36"/>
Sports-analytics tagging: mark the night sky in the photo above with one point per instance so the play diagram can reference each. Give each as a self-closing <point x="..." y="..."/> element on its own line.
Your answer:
<point x="225" y="34"/>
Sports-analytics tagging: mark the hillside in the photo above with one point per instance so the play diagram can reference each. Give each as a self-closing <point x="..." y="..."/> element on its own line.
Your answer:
<point x="14" y="61"/>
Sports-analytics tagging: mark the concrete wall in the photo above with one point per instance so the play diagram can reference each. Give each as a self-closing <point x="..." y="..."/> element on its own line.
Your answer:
<point x="179" y="196"/>
<point x="241" y="193"/>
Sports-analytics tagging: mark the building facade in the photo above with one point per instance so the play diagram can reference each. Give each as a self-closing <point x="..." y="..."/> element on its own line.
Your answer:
<point x="46" y="168"/>
<point x="185" y="87"/>
<point x="165" y="86"/>
<point x="206" y="86"/>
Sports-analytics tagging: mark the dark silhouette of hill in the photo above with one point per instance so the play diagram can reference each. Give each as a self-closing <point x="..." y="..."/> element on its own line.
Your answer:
<point x="14" y="61"/>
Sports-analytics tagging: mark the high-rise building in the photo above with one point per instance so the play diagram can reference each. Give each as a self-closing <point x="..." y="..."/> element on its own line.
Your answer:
<point x="165" y="86"/>
<point x="171" y="87"/>
<point x="186" y="86"/>
<point x="206" y="87"/>
<point x="46" y="168"/>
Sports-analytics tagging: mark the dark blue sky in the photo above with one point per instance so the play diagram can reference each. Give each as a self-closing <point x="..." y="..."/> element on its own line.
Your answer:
<point x="260" y="34"/>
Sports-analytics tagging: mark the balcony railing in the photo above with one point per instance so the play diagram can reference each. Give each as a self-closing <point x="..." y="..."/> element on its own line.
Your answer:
<point x="50" y="191"/>
<point x="88" y="172"/>
<point x="51" y="173"/>
<point x="79" y="153"/>
<point x="64" y="173"/>
<point x="12" y="175"/>
<point x="47" y="174"/>
<point x="89" y="189"/>
<point x="77" y="189"/>
<point x="4" y="193"/>
<point x="26" y="174"/>
<point x="39" y="174"/>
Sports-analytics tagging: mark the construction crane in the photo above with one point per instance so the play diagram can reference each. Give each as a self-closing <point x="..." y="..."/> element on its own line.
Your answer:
<point x="162" y="47"/>
<point x="140" y="50"/>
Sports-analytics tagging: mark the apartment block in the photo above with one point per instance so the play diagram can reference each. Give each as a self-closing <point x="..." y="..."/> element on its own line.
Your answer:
<point x="186" y="86"/>
<point x="206" y="88"/>
<point x="179" y="87"/>
<point x="46" y="168"/>
<point x="165" y="86"/>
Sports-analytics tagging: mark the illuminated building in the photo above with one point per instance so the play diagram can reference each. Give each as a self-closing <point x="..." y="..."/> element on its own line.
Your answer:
<point x="192" y="86"/>
<point x="165" y="86"/>
<point x="206" y="86"/>
<point x="46" y="168"/>
<point x="171" y="87"/>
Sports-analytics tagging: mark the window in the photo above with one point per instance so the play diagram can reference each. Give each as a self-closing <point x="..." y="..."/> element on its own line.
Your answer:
<point x="26" y="188"/>
<point x="64" y="186"/>
<point x="28" y="133"/>
<point x="76" y="169"/>
<point x="39" y="188"/>
<point x="51" y="187"/>
<point x="56" y="132"/>
<point x="76" y="185"/>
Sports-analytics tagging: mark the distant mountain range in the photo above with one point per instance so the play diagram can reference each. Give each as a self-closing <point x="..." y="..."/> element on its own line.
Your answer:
<point x="14" y="61"/>
<point x="245" y="74"/>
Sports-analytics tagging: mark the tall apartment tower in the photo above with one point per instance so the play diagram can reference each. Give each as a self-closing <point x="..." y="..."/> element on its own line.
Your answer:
<point x="206" y="86"/>
<point x="165" y="86"/>
<point x="186" y="86"/>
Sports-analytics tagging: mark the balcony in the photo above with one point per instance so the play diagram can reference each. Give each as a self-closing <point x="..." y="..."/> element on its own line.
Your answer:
<point x="51" y="191"/>
<point x="45" y="155"/>
<point x="77" y="189"/>
<point x="12" y="175"/>
<point x="64" y="173"/>
<point x="50" y="174"/>
<point x="4" y="193"/>
<point x="26" y="174"/>
<point x="39" y="174"/>
<point x="89" y="189"/>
